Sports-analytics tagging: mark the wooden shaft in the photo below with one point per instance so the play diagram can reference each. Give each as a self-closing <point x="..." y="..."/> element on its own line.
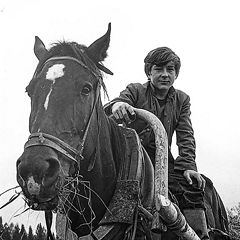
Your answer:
<point x="161" y="155"/>
<point x="174" y="219"/>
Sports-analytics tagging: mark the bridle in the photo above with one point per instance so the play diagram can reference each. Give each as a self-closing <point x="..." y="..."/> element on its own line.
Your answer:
<point x="44" y="139"/>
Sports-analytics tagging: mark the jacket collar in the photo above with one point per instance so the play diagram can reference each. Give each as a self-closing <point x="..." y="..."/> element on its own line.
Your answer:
<point x="171" y="92"/>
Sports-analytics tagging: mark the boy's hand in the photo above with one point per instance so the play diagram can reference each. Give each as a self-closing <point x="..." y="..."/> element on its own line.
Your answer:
<point x="189" y="174"/>
<point x="120" y="110"/>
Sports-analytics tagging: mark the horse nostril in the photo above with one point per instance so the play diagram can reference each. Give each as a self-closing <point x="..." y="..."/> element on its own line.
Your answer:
<point x="21" y="173"/>
<point x="51" y="173"/>
<point x="53" y="166"/>
<point x="18" y="162"/>
<point x="20" y="180"/>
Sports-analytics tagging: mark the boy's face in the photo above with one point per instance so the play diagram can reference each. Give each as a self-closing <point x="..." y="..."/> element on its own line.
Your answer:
<point x="163" y="76"/>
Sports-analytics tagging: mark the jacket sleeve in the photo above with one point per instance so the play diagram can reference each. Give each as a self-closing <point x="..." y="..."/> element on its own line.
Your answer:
<point x="129" y="95"/>
<point x="185" y="140"/>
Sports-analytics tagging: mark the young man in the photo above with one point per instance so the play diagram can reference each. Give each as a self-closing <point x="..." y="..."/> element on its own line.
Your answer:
<point x="172" y="107"/>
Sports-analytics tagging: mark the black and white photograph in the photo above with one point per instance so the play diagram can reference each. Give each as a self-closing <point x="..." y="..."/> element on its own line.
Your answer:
<point x="119" y="120"/>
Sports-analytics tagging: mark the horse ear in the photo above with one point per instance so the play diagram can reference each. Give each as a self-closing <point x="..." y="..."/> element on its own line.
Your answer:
<point x="97" y="51"/>
<point x="39" y="48"/>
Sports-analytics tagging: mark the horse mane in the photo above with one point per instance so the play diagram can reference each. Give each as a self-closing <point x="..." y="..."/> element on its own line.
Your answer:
<point x="75" y="50"/>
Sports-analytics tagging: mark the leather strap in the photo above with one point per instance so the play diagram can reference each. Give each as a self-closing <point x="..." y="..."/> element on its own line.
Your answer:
<point x="43" y="139"/>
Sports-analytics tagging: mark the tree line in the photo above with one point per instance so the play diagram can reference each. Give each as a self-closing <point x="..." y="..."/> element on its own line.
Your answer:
<point x="14" y="232"/>
<point x="234" y="221"/>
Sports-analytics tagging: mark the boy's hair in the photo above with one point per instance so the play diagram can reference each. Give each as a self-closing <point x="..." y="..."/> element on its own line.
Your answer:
<point x="161" y="56"/>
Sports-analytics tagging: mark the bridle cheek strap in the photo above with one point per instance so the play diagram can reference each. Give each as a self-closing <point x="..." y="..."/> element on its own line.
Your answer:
<point x="82" y="142"/>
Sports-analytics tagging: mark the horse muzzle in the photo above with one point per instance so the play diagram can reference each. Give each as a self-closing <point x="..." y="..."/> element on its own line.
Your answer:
<point x="38" y="171"/>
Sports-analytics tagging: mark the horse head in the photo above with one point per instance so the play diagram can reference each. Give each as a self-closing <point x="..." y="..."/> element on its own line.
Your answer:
<point x="66" y="123"/>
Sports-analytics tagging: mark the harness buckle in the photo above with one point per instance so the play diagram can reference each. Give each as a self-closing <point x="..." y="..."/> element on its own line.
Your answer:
<point x="41" y="139"/>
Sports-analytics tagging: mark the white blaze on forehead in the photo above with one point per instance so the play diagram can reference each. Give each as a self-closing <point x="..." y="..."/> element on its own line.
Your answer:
<point x="47" y="99"/>
<point x="54" y="72"/>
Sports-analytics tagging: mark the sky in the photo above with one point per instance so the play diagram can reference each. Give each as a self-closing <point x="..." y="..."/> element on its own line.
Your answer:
<point x="205" y="35"/>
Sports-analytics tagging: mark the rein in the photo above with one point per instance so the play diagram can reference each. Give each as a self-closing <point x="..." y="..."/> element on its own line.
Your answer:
<point x="44" y="139"/>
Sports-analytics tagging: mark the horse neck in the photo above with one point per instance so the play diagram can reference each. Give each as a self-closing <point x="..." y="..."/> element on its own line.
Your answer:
<point x="102" y="176"/>
<point x="98" y="167"/>
<point x="98" y="148"/>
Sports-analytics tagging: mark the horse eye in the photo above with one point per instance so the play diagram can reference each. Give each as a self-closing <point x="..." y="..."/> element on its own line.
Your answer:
<point x="86" y="90"/>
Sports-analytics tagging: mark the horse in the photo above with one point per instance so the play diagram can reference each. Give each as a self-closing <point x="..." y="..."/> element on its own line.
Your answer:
<point x="78" y="161"/>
